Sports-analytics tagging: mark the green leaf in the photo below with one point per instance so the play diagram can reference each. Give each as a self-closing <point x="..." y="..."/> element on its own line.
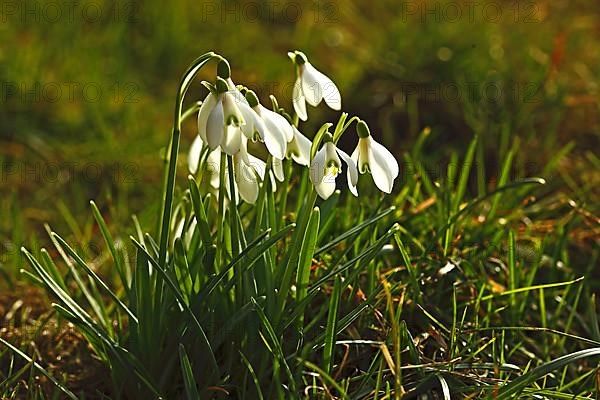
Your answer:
<point x="330" y="330"/>
<point x="189" y="381"/>
<point x="41" y="369"/>
<point x="94" y="276"/>
<point x="306" y="255"/>
<point x="513" y="388"/>
<point x="110" y="243"/>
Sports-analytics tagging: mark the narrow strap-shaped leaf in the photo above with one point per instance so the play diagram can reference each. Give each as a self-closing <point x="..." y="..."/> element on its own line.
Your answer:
<point x="89" y="294"/>
<point x="183" y="304"/>
<point x="94" y="276"/>
<point x="41" y="369"/>
<point x="306" y="255"/>
<point x="274" y="344"/>
<point x="330" y="330"/>
<point x="252" y="246"/>
<point x="191" y="388"/>
<point x="327" y="379"/>
<point x="513" y="388"/>
<point x="199" y="211"/>
<point x="110" y="243"/>
<point x="354" y="230"/>
<point x="254" y="377"/>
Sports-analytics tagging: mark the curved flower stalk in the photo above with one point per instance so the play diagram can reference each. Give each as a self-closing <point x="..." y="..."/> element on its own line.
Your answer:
<point x="326" y="166"/>
<point x="375" y="159"/>
<point x="312" y="86"/>
<point x="220" y="119"/>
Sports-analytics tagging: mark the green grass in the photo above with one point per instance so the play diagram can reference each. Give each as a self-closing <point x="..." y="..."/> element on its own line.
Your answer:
<point x="476" y="277"/>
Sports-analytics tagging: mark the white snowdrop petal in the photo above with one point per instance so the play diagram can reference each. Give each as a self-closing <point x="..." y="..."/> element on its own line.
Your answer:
<point x="354" y="155"/>
<point x="284" y="126"/>
<point x="302" y="148"/>
<point x="231" y="111"/>
<point x="251" y="118"/>
<point x="258" y="165"/>
<point x="331" y="94"/>
<point x="273" y="182"/>
<point x="352" y="172"/>
<point x="278" y="169"/>
<point x="246" y="181"/>
<point x="232" y="140"/>
<point x="311" y="88"/>
<point x="299" y="101"/>
<point x="179" y="229"/>
<point x="215" y="127"/>
<point x="230" y="85"/>
<point x="205" y="109"/>
<point x="382" y="155"/>
<point x="383" y="166"/>
<point x="326" y="188"/>
<point x="213" y="166"/>
<point x="274" y="138"/>
<point x="381" y="177"/>
<point x="194" y="154"/>
<point x="317" y="167"/>
<point x="332" y="155"/>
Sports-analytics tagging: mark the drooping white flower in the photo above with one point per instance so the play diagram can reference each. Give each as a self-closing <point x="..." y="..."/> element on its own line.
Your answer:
<point x="220" y="119"/>
<point x="299" y="148"/>
<point x="246" y="169"/>
<point x="271" y="128"/>
<point x="326" y="166"/>
<point x="249" y="171"/>
<point x="374" y="158"/>
<point x="312" y="86"/>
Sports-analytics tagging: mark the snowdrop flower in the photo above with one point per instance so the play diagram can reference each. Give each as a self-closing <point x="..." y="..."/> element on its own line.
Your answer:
<point x="299" y="148"/>
<point x="271" y="128"/>
<point x="312" y="86"/>
<point x="326" y="166"/>
<point x="372" y="157"/>
<point x="247" y="171"/>
<point x="220" y="118"/>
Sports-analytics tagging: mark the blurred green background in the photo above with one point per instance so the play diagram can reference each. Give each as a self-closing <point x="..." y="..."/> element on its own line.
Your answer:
<point x="87" y="90"/>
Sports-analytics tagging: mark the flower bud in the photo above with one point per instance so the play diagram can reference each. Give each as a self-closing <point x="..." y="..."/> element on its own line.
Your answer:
<point x="223" y="69"/>
<point x="251" y="98"/>
<point x="221" y="85"/>
<point x="362" y="129"/>
<point x="300" y="58"/>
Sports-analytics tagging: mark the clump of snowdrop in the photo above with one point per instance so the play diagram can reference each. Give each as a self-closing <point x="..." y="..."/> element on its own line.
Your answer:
<point x="230" y="116"/>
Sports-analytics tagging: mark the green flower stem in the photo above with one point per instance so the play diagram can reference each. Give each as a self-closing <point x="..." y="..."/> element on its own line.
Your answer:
<point x="284" y="193"/>
<point x="221" y="209"/>
<point x="173" y="150"/>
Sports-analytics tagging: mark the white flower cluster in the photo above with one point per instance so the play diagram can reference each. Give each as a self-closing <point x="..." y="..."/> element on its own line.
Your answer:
<point x="231" y="115"/>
